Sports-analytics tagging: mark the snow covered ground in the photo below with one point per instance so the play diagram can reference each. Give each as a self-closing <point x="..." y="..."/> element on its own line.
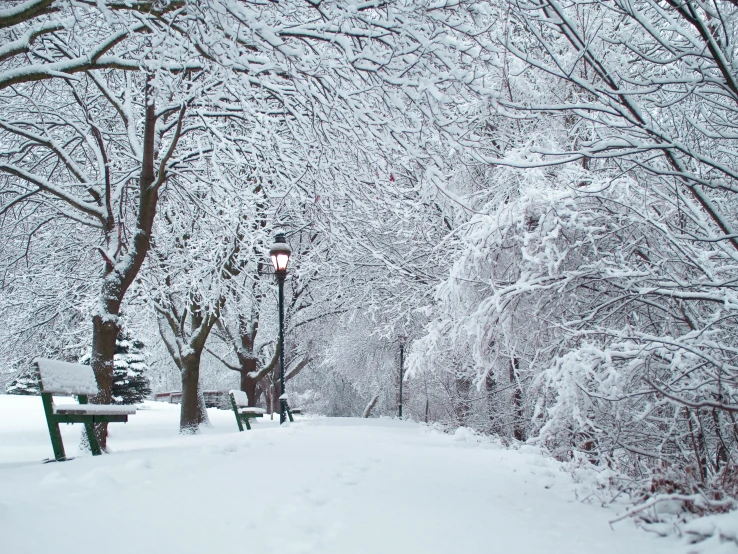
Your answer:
<point x="319" y="485"/>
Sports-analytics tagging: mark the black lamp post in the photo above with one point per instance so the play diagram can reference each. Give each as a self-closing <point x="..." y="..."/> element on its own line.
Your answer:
<point x="402" y="355"/>
<point x="280" y="254"/>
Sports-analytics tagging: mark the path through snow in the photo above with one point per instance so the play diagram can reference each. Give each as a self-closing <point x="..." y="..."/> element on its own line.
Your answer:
<point x="347" y="486"/>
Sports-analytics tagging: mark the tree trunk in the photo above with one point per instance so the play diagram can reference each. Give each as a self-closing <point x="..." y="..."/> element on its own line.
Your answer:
<point x="494" y="418"/>
<point x="251" y="374"/>
<point x="193" y="412"/>
<point x="462" y="409"/>
<point x="248" y="385"/>
<point x="372" y="403"/>
<point x="270" y="401"/>
<point x="248" y="381"/>
<point x="517" y="398"/>
<point x="104" y="333"/>
<point x="272" y="397"/>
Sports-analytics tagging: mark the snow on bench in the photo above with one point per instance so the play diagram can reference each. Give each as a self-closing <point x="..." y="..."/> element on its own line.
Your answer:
<point x="240" y="404"/>
<point x="239" y="397"/>
<point x="242" y="401"/>
<point x="78" y="380"/>
<point x="65" y="378"/>
<point x="252" y="410"/>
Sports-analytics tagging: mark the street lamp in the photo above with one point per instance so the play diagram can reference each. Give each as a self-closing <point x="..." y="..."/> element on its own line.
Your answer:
<point x="280" y="254"/>
<point x="402" y="354"/>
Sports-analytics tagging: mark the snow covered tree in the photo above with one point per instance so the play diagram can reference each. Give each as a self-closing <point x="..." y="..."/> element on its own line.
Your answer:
<point x="188" y="298"/>
<point x="130" y="380"/>
<point x="28" y="384"/>
<point x="104" y="143"/>
<point x="640" y="250"/>
<point x="113" y="83"/>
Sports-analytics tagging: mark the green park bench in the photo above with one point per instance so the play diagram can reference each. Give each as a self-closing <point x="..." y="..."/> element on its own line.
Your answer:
<point x="244" y="412"/>
<point x="78" y="380"/>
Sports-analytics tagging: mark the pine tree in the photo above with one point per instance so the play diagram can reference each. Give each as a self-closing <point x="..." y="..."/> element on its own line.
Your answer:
<point x="130" y="383"/>
<point x="28" y="383"/>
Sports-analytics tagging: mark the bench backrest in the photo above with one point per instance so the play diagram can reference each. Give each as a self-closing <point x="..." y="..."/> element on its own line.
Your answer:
<point x="239" y="397"/>
<point x="65" y="378"/>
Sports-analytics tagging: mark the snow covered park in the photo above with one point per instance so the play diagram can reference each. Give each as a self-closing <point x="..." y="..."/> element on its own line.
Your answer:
<point x="515" y="221"/>
<point x="319" y="485"/>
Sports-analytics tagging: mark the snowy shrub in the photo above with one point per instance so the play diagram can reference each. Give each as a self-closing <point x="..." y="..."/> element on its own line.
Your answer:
<point x="613" y="333"/>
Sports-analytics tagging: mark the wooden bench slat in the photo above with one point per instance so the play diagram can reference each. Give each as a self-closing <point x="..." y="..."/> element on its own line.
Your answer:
<point x="76" y="418"/>
<point x="94" y="409"/>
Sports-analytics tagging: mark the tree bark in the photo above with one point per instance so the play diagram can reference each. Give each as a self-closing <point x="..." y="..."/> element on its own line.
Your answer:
<point x="248" y="382"/>
<point x="104" y="333"/>
<point x="373" y="403"/>
<point x="273" y="396"/>
<point x="193" y="412"/>
<point x="462" y="409"/>
<point x="517" y="398"/>
<point x="251" y="375"/>
<point x="494" y="418"/>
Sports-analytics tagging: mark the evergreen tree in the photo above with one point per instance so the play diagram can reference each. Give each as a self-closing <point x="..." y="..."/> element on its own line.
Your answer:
<point x="130" y="380"/>
<point x="27" y="383"/>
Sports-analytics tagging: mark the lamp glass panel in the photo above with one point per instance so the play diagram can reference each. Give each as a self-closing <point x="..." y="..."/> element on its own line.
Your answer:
<point x="280" y="260"/>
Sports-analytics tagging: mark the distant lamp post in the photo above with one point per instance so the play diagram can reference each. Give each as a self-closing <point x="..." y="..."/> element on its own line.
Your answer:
<point x="280" y="254"/>
<point x="402" y="340"/>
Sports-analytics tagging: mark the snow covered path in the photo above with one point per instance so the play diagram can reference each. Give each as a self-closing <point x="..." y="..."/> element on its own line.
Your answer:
<point x="325" y="486"/>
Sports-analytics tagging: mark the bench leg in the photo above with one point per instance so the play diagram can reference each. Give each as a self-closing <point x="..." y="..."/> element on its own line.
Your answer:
<point x="92" y="439"/>
<point x="54" y="433"/>
<point x="235" y="411"/>
<point x="90" y="429"/>
<point x="248" y="425"/>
